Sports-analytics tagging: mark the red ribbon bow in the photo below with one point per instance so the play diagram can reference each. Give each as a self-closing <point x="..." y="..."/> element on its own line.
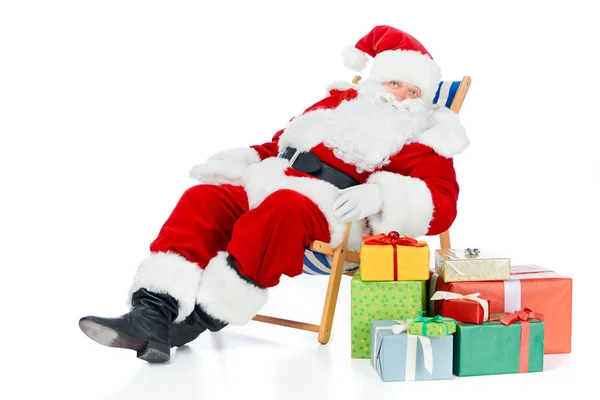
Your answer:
<point x="521" y="315"/>
<point x="394" y="239"/>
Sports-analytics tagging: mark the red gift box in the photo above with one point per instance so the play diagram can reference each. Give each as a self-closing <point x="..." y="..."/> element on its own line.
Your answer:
<point x="464" y="311"/>
<point x="531" y="286"/>
<point x="463" y="308"/>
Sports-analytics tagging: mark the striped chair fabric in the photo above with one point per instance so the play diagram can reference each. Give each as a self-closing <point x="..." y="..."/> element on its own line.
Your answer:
<point x="320" y="264"/>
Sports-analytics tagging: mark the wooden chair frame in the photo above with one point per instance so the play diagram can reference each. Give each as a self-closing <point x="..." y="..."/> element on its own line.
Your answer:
<point x="341" y="254"/>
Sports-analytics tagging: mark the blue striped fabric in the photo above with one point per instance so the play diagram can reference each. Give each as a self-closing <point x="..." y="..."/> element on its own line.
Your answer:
<point x="319" y="264"/>
<point x="446" y="92"/>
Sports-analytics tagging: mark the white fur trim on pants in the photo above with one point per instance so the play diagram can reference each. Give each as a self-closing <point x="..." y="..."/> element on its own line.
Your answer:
<point x="226" y="296"/>
<point x="407" y="205"/>
<point x="171" y="274"/>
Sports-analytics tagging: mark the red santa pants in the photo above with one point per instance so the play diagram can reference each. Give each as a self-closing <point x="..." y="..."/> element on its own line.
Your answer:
<point x="266" y="242"/>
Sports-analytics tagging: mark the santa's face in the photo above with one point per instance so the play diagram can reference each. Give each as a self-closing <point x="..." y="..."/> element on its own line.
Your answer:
<point x="394" y="94"/>
<point x="402" y="90"/>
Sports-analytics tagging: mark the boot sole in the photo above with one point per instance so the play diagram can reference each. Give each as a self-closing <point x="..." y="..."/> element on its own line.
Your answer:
<point x="147" y="350"/>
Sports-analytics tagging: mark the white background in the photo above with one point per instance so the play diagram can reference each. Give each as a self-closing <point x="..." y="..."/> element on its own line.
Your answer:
<point x="106" y="105"/>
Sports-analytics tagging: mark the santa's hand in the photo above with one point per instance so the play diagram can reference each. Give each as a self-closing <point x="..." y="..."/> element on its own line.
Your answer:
<point x="358" y="202"/>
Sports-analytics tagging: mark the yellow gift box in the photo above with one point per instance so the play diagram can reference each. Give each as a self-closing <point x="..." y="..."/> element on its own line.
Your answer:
<point x="393" y="257"/>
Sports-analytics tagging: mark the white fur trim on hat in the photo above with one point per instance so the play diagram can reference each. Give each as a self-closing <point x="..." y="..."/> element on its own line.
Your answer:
<point x="408" y="66"/>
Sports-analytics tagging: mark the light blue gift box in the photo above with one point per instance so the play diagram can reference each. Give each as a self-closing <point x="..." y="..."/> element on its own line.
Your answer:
<point x="396" y="357"/>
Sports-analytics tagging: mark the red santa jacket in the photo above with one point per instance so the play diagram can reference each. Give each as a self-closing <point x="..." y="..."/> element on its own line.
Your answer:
<point x="417" y="179"/>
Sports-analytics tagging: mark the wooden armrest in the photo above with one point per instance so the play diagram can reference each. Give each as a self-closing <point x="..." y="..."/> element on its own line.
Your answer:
<point x="324" y="248"/>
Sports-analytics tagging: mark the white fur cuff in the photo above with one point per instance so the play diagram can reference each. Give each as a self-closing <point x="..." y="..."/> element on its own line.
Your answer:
<point x="218" y="172"/>
<point x="227" y="166"/>
<point x="341" y="86"/>
<point x="226" y="296"/>
<point x="447" y="135"/>
<point x="242" y="155"/>
<point x="407" y="205"/>
<point x="171" y="274"/>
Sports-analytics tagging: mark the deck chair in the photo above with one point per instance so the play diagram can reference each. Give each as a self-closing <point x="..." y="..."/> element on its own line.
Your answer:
<point x="322" y="259"/>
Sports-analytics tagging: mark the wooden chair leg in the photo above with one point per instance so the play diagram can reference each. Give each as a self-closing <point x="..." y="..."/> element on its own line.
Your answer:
<point x="333" y="288"/>
<point x="445" y="240"/>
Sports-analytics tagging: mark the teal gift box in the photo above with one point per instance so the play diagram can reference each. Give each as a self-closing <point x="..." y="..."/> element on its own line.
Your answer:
<point x="399" y="356"/>
<point x="507" y="344"/>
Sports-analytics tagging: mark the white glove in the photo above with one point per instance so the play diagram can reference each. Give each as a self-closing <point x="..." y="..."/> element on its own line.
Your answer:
<point x="358" y="202"/>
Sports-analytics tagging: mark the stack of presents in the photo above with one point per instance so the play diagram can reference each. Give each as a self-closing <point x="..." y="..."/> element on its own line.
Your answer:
<point x="474" y="314"/>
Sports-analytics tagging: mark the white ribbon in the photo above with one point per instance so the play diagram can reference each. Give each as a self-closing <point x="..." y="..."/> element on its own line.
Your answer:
<point x="411" y="349"/>
<point x="411" y="356"/>
<point x="441" y="295"/>
<point x="512" y="295"/>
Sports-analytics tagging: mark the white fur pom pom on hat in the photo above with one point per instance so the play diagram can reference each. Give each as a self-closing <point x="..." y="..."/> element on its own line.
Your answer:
<point x="354" y="59"/>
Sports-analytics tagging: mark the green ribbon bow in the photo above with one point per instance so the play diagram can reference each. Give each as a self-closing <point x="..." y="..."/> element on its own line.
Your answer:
<point x="437" y="319"/>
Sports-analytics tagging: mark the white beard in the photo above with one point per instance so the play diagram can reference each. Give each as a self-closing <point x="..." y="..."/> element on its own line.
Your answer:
<point x="368" y="130"/>
<point x="365" y="131"/>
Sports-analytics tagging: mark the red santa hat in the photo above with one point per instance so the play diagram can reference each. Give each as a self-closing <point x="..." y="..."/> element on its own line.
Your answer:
<point x="397" y="56"/>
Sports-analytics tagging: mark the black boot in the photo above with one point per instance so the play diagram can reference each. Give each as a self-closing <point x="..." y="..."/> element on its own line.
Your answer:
<point x="145" y="328"/>
<point x="197" y="322"/>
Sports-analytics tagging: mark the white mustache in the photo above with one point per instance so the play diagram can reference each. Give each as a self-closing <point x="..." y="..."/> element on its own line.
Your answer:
<point x="411" y="105"/>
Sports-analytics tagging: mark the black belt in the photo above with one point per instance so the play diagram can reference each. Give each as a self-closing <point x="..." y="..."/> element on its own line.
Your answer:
<point x="309" y="163"/>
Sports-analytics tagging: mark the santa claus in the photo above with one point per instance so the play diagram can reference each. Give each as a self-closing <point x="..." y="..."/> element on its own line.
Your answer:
<point x="377" y="153"/>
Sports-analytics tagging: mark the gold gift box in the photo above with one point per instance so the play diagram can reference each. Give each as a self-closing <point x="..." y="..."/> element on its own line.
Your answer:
<point x="455" y="265"/>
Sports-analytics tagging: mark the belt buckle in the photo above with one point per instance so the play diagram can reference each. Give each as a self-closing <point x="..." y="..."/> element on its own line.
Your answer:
<point x="293" y="158"/>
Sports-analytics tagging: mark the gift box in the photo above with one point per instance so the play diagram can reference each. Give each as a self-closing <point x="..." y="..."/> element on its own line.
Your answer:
<point x="511" y="344"/>
<point x="436" y="326"/>
<point x="532" y="286"/>
<point x="455" y="265"/>
<point x="393" y="257"/>
<point x="398" y="356"/>
<point x="372" y="301"/>
<point x="463" y="308"/>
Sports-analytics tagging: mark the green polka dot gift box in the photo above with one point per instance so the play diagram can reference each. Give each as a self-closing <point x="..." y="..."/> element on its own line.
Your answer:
<point x="376" y="301"/>
<point x="437" y="326"/>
